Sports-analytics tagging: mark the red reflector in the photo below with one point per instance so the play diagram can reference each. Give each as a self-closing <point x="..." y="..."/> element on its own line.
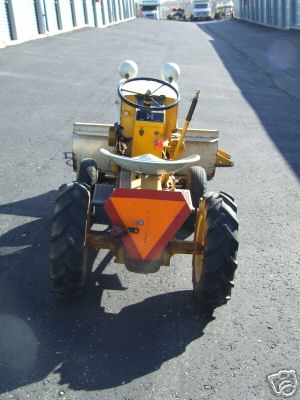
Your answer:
<point x="160" y="143"/>
<point x="150" y="218"/>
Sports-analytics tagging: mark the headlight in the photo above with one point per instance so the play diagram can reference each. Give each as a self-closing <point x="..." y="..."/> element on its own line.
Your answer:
<point x="128" y="69"/>
<point x="170" y="72"/>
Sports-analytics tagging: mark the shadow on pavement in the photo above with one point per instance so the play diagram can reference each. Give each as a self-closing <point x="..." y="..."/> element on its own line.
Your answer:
<point x="89" y="348"/>
<point x="265" y="66"/>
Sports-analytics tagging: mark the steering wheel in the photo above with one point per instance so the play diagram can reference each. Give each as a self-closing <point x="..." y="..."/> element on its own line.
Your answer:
<point x="150" y="101"/>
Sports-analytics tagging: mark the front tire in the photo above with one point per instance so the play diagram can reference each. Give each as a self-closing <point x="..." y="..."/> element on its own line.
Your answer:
<point x="196" y="182"/>
<point x="213" y="270"/>
<point x="68" y="257"/>
<point x="87" y="172"/>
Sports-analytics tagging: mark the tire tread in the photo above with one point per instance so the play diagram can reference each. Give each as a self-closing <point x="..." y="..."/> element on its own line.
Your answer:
<point x="67" y="272"/>
<point x="221" y="246"/>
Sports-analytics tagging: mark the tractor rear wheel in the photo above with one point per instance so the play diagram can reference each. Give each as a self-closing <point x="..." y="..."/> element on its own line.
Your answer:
<point x="196" y="181"/>
<point x="68" y="257"/>
<point x="87" y="172"/>
<point x="213" y="270"/>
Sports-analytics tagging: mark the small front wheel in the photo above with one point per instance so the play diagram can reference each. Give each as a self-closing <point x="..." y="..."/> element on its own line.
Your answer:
<point x="87" y="172"/>
<point x="196" y="181"/>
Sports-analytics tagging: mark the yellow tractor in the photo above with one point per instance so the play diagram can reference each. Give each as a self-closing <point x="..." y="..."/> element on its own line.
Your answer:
<point x="139" y="183"/>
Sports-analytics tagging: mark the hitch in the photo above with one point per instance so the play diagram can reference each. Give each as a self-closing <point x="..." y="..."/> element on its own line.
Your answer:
<point x="223" y="159"/>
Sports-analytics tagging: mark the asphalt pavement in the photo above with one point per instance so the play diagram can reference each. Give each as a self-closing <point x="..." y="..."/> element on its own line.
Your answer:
<point x="141" y="337"/>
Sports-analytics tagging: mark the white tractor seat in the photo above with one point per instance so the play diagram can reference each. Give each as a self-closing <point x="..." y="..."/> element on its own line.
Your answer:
<point x="150" y="164"/>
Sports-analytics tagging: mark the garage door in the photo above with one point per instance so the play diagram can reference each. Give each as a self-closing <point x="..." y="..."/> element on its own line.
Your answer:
<point x="79" y="11"/>
<point x="269" y="12"/>
<point x="278" y="13"/>
<point x="51" y="17"/>
<point x="4" y="24"/>
<point x="25" y="19"/>
<point x="255" y="16"/>
<point x="261" y="11"/>
<point x="90" y="12"/>
<point x="66" y="14"/>
<point x="296" y="13"/>
<point x="119" y="10"/>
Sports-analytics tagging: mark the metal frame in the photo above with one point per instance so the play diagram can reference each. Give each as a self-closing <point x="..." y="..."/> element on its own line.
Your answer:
<point x="103" y="240"/>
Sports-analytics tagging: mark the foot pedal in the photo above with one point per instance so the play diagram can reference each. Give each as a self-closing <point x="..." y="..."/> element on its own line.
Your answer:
<point x="102" y="192"/>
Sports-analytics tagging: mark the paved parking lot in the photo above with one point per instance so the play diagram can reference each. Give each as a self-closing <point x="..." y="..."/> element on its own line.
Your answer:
<point x="137" y="337"/>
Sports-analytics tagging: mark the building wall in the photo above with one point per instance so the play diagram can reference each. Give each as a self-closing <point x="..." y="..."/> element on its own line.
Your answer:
<point x="281" y="14"/>
<point x="23" y="20"/>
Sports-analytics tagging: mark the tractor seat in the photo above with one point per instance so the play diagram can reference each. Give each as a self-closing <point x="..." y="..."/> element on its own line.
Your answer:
<point x="150" y="164"/>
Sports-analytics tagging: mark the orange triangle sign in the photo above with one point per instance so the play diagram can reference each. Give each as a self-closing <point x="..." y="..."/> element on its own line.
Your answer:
<point x="152" y="218"/>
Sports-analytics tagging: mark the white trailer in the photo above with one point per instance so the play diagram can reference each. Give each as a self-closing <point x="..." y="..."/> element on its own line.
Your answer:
<point x="204" y="9"/>
<point x="150" y="9"/>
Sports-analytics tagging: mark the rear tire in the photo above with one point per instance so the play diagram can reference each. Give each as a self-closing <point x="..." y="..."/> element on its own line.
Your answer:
<point x="87" y="172"/>
<point x="68" y="263"/>
<point x="213" y="270"/>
